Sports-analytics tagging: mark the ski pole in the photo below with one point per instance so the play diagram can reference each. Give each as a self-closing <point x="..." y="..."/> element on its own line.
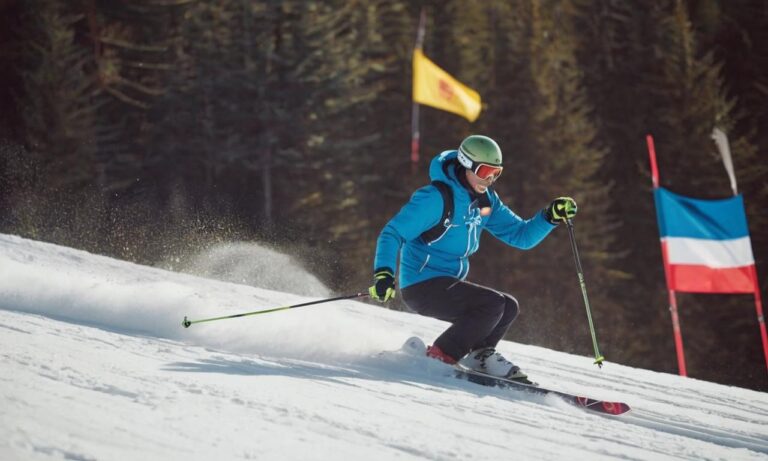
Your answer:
<point x="598" y="358"/>
<point x="186" y="323"/>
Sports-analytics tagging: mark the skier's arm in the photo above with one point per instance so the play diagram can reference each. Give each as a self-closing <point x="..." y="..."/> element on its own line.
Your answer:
<point x="422" y="211"/>
<point x="515" y="231"/>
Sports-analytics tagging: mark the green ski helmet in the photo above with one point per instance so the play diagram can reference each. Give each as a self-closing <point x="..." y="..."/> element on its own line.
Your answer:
<point x="480" y="154"/>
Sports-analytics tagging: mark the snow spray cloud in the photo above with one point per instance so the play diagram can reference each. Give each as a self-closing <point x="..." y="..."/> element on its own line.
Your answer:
<point x="255" y="265"/>
<point x="80" y="287"/>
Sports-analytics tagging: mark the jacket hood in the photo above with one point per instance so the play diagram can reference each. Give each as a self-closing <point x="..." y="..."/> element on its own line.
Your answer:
<point x="438" y="170"/>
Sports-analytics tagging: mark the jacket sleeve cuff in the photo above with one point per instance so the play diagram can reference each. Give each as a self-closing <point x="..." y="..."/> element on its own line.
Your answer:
<point x="548" y="218"/>
<point x="383" y="271"/>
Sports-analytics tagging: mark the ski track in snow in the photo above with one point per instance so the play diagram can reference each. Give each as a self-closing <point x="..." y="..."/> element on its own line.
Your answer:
<point x="97" y="366"/>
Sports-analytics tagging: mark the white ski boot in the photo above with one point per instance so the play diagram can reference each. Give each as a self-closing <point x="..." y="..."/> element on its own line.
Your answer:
<point x="491" y="362"/>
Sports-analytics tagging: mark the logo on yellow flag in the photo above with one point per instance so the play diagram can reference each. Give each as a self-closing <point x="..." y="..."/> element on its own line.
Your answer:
<point x="432" y="86"/>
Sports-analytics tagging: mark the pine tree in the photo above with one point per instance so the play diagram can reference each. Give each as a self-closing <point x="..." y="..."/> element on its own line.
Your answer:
<point x="564" y="158"/>
<point x="692" y="85"/>
<point x="59" y="102"/>
<point x="133" y="46"/>
<point x="737" y="34"/>
<point x="615" y="51"/>
<point x="649" y="76"/>
<point x="58" y="110"/>
<point x="346" y="156"/>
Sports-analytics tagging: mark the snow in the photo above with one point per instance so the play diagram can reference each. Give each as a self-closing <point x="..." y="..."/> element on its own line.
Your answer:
<point x="96" y="365"/>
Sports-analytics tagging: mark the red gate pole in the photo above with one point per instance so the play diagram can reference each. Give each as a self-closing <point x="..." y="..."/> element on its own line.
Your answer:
<point x="678" y="334"/>
<point x="760" y="316"/>
<point x="672" y="298"/>
<point x="415" y="131"/>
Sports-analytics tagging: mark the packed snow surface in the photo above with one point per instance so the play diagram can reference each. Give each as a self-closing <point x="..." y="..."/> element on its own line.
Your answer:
<point x="96" y="365"/>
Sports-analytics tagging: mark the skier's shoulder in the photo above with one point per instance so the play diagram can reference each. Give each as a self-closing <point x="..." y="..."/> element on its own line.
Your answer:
<point x="430" y="198"/>
<point x="427" y="192"/>
<point x="493" y="198"/>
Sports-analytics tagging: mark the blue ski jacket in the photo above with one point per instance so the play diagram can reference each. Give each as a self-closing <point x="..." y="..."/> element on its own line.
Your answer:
<point x="448" y="255"/>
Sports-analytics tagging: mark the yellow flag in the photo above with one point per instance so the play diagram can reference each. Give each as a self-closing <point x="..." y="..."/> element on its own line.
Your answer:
<point x="434" y="87"/>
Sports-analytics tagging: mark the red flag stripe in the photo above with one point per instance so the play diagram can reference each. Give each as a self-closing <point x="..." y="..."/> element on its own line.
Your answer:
<point x="703" y="279"/>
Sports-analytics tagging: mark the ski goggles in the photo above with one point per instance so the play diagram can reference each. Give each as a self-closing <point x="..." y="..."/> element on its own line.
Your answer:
<point x="484" y="171"/>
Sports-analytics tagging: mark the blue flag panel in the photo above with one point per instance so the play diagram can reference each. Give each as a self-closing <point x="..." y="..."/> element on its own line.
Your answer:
<point x="680" y="216"/>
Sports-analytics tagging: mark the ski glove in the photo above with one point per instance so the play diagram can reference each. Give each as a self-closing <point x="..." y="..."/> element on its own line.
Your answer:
<point x="383" y="288"/>
<point x="560" y="209"/>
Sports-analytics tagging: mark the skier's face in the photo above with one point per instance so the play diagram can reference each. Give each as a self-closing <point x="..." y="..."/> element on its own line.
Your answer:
<point x="478" y="184"/>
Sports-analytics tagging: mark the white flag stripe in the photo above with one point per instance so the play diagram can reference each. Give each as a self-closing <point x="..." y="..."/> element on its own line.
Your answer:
<point x="711" y="253"/>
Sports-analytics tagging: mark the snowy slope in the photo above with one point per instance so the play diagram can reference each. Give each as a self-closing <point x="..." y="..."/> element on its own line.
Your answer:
<point x="95" y="365"/>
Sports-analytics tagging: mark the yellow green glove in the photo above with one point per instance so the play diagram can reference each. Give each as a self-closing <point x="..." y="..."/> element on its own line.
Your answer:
<point x="560" y="209"/>
<point x="383" y="288"/>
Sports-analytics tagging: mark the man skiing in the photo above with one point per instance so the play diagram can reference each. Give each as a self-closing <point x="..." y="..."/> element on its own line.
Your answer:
<point x="435" y="241"/>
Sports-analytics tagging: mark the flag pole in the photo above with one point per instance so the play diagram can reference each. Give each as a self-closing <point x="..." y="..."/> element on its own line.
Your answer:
<point x="415" y="133"/>
<point x="721" y="140"/>
<point x="679" y="349"/>
<point x="760" y="316"/>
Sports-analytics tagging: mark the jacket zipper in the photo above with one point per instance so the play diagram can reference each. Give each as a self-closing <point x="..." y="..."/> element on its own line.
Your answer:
<point x="425" y="263"/>
<point x="448" y="226"/>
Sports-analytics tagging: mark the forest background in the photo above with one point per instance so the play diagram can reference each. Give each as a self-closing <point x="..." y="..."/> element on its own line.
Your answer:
<point x="150" y="129"/>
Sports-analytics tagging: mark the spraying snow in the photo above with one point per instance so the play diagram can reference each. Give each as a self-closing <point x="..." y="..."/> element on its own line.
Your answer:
<point x="78" y="286"/>
<point x="255" y="265"/>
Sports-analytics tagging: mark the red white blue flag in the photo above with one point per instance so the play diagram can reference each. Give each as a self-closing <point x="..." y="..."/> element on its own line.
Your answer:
<point x="705" y="244"/>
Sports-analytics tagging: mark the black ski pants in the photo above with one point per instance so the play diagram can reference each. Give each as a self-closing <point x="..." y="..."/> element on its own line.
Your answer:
<point x="479" y="316"/>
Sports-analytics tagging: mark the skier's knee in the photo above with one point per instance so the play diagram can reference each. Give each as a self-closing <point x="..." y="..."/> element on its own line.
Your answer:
<point x="494" y="306"/>
<point x="512" y="308"/>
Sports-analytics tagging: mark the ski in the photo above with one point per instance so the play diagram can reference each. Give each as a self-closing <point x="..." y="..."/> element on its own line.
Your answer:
<point x="595" y="405"/>
<point x="415" y="347"/>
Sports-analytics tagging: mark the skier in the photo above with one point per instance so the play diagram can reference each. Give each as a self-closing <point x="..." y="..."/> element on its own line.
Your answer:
<point x="435" y="241"/>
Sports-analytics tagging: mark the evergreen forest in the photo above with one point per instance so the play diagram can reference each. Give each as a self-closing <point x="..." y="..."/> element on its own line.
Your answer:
<point x="149" y="129"/>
